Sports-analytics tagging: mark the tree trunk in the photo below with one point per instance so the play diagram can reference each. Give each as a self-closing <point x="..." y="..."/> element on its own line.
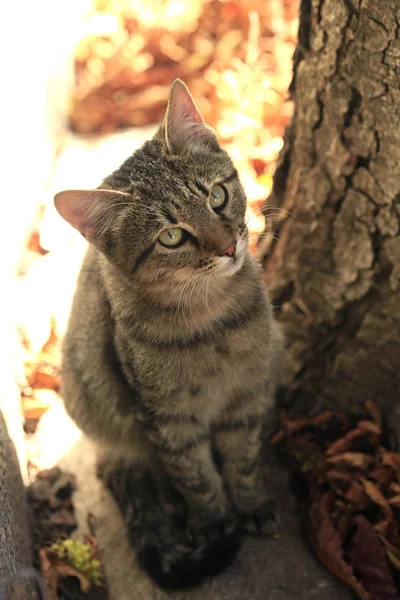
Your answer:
<point x="334" y="270"/>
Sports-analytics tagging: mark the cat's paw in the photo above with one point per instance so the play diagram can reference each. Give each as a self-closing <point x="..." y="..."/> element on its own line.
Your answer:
<point x="263" y="522"/>
<point x="201" y="530"/>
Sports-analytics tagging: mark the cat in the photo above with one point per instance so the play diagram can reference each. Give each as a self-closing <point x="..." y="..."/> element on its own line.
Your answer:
<point x="172" y="350"/>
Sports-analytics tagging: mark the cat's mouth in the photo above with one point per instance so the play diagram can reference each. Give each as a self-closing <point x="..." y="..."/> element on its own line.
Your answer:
<point x="229" y="265"/>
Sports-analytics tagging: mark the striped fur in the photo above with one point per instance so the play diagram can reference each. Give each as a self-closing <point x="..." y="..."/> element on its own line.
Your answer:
<point x="171" y="355"/>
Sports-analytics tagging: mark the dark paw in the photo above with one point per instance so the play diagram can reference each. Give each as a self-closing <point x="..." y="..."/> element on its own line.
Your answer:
<point x="263" y="522"/>
<point x="201" y="530"/>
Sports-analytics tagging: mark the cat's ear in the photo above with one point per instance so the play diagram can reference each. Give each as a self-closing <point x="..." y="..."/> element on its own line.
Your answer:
<point x="91" y="212"/>
<point x="183" y="125"/>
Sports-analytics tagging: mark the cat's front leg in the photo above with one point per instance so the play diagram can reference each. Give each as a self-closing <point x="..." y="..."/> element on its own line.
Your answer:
<point x="238" y="440"/>
<point x="189" y="463"/>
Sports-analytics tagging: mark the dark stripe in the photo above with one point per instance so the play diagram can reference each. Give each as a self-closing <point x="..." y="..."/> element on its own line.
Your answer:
<point x="177" y="418"/>
<point x="235" y="321"/>
<point x="241" y="319"/>
<point x="142" y="257"/>
<point x="242" y="398"/>
<point x="170" y="218"/>
<point x="158" y="419"/>
<point x="185" y="447"/>
<point x="174" y="204"/>
<point x="201" y="187"/>
<point x="233" y="175"/>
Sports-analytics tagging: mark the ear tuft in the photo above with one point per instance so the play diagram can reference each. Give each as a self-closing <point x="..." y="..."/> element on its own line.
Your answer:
<point x="91" y="212"/>
<point x="184" y="126"/>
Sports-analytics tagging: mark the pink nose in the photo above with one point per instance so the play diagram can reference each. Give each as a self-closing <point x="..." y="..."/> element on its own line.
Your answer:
<point x="230" y="251"/>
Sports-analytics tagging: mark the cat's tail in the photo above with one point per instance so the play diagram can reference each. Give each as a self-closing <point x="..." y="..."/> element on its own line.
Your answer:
<point x="158" y="535"/>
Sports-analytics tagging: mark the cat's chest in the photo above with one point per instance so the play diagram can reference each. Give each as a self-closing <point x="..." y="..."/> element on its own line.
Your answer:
<point x="202" y="379"/>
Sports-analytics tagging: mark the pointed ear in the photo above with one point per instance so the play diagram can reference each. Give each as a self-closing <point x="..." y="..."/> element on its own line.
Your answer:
<point x="91" y="212"/>
<point x="183" y="124"/>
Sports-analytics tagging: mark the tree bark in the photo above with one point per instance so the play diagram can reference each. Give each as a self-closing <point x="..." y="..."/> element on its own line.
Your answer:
<point x="334" y="269"/>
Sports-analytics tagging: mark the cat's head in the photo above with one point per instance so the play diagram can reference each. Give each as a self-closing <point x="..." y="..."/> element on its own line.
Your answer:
<point x="173" y="210"/>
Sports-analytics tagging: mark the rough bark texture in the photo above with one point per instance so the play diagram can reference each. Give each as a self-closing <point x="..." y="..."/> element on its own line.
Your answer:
<point x="335" y="269"/>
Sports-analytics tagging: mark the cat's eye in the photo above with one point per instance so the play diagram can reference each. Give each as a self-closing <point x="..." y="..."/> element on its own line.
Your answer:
<point x="218" y="197"/>
<point x="172" y="238"/>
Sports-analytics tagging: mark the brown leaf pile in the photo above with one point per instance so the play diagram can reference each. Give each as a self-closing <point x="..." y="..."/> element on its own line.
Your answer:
<point x="353" y="484"/>
<point x="133" y="50"/>
<point x="235" y="56"/>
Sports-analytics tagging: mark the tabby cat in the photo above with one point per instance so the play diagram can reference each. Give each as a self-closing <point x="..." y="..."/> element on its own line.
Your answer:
<point x="171" y="352"/>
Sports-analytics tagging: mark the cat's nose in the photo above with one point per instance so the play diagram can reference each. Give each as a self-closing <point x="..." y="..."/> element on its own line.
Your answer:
<point x="230" y="250"/>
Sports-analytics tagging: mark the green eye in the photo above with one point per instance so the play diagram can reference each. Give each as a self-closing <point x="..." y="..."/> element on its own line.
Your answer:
<point x="218" y="197"/>
<point x="171" y="237"/>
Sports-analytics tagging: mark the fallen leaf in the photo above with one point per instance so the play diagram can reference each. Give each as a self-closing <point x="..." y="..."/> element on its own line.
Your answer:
<point x="382" y="526"/>
<point x="290" y="427"/>
<point x="337" y="475"/>
<point x="54" y="569"/>
<point x="375" y="413"/>
<point x="354" y="439"/>
<point x="382" y="475"/>
<point x="376" y="496"/>
<point x="395" y="501"/>
<point x="357" y="495"/>
<point x="395" y="487"/>
<point x="44" y="376"/>
<point x="392" y="552"/>
<point x="369" y="427"/>
<point x="351" y="460"/>
<point x="327" y="545"/>
<point x="391" y="459"/>
<point x="368" y="556"/>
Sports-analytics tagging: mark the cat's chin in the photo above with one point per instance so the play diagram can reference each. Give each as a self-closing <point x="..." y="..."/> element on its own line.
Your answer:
<point x="228" y="266"/>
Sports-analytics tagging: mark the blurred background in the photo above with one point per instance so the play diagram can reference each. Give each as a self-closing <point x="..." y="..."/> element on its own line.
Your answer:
<point x="87" y="82"/>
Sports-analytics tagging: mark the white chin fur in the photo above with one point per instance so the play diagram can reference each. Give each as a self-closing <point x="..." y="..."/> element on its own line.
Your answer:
<point x="227" y="266"/>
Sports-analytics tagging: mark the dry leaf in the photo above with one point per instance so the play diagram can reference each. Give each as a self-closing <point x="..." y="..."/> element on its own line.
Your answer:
<point x="392" y="552"/>
<point x="368" y="556"/>
<point x="359" y="475"/>
<point x="382" y="475"/>
<point x="375" y="413"/>
<point x="355" y="438"/>
<point x="44" y="376"/>
<point x="395" y="487"/>
<point x="351" y="460"/>
<point x="395" y="501"/>
<point x="356" y="495"/>
<point x="369" y="427"/>
<point x="54" y="569"/>
<point x="327" y="545"/>
<point x="376" y="496"/>
<point x="391" y="459"/>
